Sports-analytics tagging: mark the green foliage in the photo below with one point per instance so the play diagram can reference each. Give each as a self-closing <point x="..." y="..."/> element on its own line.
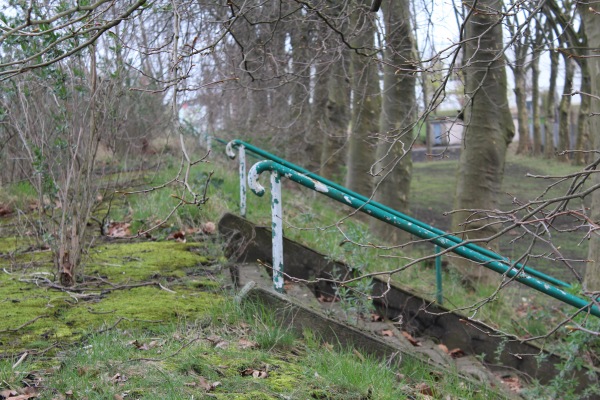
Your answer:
<point x="268" y="333"/>
<point x="41" y="168"/>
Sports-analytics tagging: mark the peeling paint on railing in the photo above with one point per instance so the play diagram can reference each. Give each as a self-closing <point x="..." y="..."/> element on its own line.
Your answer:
<point x="277" y="231"/>
<point x="348" y="194"/>
<point x="500" y="266"/>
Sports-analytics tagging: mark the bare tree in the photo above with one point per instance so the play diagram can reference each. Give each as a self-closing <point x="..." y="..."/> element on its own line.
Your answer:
<point x="366" y="100"/>
<point x="591" y="20"/>
<point x="489" y="127"/>
<point x="550" y="103"/>
<point x="398" y="115"/>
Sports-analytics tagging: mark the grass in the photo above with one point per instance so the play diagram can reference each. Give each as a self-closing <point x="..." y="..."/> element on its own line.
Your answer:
<point x="184" y="325"/>
<point x="323" y="225"/>
<point x="186" y="359"/>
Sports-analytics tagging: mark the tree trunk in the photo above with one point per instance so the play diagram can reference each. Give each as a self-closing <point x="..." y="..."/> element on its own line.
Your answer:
<point x="520" y="66"/>
<point x="564" y="109"/>
<point x="336" y="120"/>
<point x="582" y="140"/>
<point x="524" y="146"/>
<point x="489" y="129"/>
<point x="366" y="102"/>
<point x="535" y="94"/>
<point x="394" y="166"/>
<point x="551" y="107"/>
<point x="317" y="133"/>
<point x="591" y="22"/>
<point x="318" y="128"/>
<point x="299" y="144"/>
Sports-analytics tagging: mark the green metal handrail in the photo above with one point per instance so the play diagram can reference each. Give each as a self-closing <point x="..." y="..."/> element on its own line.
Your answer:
<point x="397" y="214"/>
<point x="278" y="171"/>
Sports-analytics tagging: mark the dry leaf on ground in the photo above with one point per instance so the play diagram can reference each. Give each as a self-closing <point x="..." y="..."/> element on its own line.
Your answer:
<point x="22" y="397"/>
<point x="512" y="382"/>
<point x="424" y="388"/>
<point x="247" y="344"/>
<point x="204" y="384"/>
<point x="178" y="236"/>
<point x="376" y="318"/>
<point x="323" y="298"/>
<point x="411" y="339"/>
<point x="118" y="378"/>
<point x="118" y="229"/>
<point x="255" y="373"/>
<point x="209" y="228"/>
<point x="456" y="353"/>
<point x="5" y="209"/>
<point x="26" y="393"/>
<point x="144" y="346"/>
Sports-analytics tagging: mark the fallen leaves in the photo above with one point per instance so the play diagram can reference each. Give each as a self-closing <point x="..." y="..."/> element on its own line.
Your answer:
<point x="208" y="228"/>
<point x="512" y="382"/>
<point x="424" y="389"/>
<point x="244" y="344"/>
<point x="454" y="353"/>
<point x="324" y="298"/>
<point x="118" y="229"/>
<point x="376" y="317"/>
<point x="178" y="236"/>
<point x="21" y="394"/>
<point x="204" y="384"/>
<point x="256" y="373"/>
<point x="144" y="346"/>
<point x="5" y="209"/>
<point x="118" y="378"/>
<point x="411" y="339"/>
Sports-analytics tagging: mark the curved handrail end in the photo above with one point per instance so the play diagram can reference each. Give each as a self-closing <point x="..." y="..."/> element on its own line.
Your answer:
<point x="253" y="176"/>
<point x="229" y="149"/>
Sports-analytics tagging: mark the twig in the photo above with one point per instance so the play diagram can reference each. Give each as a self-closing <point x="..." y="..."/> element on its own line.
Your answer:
<point x="24" y="325"/>
<point x="121" y="319"/>
<point x="164" y="288"/>
<point x="113" y="325"/>
<point x="100" y="312"/>
<point x="20" y="360"/>
<point x="167" y="356"/>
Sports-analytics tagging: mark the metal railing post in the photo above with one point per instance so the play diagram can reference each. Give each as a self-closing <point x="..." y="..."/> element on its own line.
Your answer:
<point x="439" y="295"/>
<point x="277" y="231"/>
<point x="242" y="172"/>
<point x="242" y="155"/>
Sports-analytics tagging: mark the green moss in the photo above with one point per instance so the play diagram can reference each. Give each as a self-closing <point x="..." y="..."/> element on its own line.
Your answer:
<point x="250" y="395"/>
<point x="143" y="260"/>
<point x="153" y="304"/>
<point x="65" y="316"/>
<point x="14" y="244"/>
<point x="204" y="284"/>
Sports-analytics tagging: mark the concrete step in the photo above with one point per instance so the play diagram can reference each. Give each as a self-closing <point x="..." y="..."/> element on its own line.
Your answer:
<point x="427" y="322"/>
<point x="381" y="338"/>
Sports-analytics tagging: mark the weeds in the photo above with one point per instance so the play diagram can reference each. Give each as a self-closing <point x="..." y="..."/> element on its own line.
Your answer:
<point x="92" y="371"/>
<point x="227" y="358"/>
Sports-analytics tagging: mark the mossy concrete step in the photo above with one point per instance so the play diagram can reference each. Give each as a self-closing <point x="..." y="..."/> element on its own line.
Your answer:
<point x="422" y="318"/>
<point x="299" y="309"/>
